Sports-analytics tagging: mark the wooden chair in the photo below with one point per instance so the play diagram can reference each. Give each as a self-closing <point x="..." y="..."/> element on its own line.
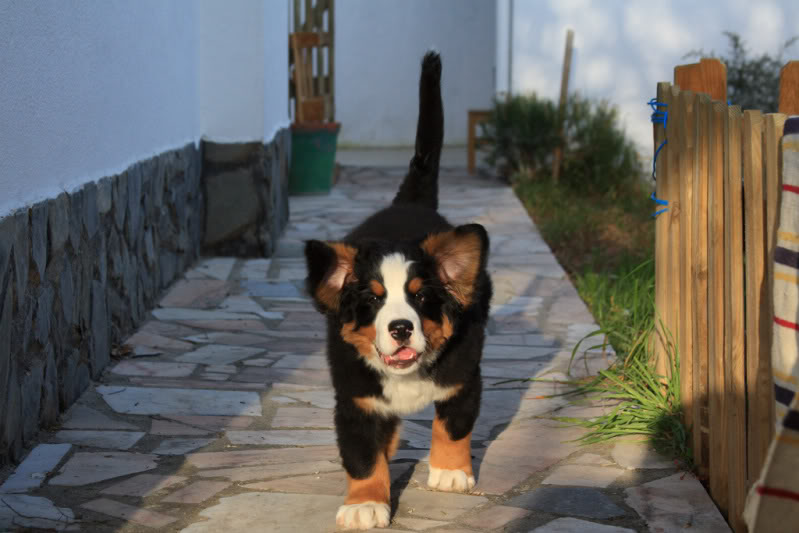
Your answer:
<point x="475" y="117"/>
<point x="310" y="102"/>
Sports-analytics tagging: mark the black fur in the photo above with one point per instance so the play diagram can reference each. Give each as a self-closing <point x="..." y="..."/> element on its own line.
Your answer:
<point x="421" y="184"/>
<point x="402" y="227"/>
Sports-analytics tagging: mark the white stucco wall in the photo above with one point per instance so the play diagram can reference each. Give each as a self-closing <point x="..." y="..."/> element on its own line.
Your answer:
<point x="87" y="88"/>
<point x="623" y="48"/>
<point x="276" y="67"/>
<point x="379" y="44"/>
<point x="230" y="85"/>
<point x="243" y="69"/>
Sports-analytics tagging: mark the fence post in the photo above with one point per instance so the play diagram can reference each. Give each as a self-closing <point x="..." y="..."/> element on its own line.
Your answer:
<point x="671" y="228"/>
<point x="789" y="88"/>
<point x="564" y="95"/>
<point x="709" y="76"/>
<point x="662" y="228"/>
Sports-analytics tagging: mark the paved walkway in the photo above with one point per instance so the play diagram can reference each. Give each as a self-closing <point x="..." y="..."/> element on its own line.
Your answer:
<point x="220" y="416"/>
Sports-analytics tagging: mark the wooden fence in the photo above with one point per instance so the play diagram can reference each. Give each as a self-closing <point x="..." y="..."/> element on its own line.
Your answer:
<point x="719" y="171"/>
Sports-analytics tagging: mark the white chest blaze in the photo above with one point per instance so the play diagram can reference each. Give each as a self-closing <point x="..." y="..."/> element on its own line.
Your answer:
<point x="408" y="394"/>
<point x="394" y="271"/>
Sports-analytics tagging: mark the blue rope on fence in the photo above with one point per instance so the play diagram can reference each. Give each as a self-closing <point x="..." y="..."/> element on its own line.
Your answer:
<point x="659" y="116"/>
<point x="658" y="201"/>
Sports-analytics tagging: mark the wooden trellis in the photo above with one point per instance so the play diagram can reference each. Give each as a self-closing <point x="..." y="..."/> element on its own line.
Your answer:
<point x="312" y="61"/>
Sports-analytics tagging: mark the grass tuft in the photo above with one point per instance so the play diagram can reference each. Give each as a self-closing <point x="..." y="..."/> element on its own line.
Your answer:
<point x="606" y="244"/>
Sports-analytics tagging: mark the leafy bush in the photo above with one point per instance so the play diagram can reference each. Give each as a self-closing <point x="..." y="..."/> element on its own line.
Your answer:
<point x="752" y="82"/>
<point x="597" y="155"/>
<point x="522" y="135"/>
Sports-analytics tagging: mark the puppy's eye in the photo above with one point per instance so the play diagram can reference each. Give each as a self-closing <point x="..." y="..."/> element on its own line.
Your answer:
<point x="372" y="299"/>
<point x="419" y="298"/>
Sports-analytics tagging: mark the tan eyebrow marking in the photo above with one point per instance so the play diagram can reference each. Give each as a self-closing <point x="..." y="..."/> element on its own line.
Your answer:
<point x="377" y="287"/>
<point x="415" y="285"/>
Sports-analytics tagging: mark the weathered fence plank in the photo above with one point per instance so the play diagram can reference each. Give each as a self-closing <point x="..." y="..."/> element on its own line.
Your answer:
<point x="699" y="277"/>
<point x="709" y="77"/>
<point x="758" y="333"/>
<point x="671" y="313"/>
<point x="662" y="228"/>
<point x="735" y="370"/>
<point x="789" y="88"/>
<point x="717" y="390"/>
<point x="686" y="134"/>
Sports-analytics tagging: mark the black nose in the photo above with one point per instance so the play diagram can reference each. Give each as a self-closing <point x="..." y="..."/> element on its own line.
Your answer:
<point x="400" y="329"/>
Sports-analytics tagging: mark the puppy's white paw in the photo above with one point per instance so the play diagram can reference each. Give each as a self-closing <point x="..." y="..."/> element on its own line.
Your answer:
<point x="450" y="480"/>
<point x="363" y="515"/>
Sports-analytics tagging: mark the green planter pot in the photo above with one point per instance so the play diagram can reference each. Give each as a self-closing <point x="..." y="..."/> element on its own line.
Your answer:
<point x="313" y="157"/>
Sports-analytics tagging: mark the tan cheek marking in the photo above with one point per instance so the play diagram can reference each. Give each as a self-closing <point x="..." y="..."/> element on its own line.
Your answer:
<point x="374" y="488"/>
<point x="437" y="334"/>
<point x="362" y="338"/>
<point x="414" y="285"/>
<point x="449" y="454"/>
<point x="377" y="287"/>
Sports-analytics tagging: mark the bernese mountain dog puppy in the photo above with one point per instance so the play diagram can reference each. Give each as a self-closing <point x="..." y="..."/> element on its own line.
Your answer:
<point x="406" y="296"/>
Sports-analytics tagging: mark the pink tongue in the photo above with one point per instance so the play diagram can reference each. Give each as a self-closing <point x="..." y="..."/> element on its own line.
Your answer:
<point x="405" y="354"/>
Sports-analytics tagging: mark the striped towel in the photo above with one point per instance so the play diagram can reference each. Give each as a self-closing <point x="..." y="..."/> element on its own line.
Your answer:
<point x="773" y="502"/>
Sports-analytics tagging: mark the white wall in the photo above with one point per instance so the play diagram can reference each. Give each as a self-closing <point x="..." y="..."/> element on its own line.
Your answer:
<point x="230" y="85"/>
<point x="379" y="45"/>
<point x="243" y="69"/>
<point x="87" y="88"/>
<point x="623" y="48"/>
<point x="276" y="67"/>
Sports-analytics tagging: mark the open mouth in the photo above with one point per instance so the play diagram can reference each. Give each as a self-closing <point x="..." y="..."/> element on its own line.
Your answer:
<point x="402" y="358"/>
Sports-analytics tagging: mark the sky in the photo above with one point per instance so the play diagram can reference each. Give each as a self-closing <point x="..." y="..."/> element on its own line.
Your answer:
<point x="624" y="47"/>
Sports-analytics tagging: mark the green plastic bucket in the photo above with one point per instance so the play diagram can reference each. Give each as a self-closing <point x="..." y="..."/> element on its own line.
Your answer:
<point x="313" y="157"/>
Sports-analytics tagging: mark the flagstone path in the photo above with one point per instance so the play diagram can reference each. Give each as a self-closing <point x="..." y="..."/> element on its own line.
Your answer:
<point x="219" y="418"/>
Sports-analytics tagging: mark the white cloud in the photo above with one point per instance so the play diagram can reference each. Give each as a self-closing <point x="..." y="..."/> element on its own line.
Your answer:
<point x="764" y="33"/>
<point x="599" y="74"/>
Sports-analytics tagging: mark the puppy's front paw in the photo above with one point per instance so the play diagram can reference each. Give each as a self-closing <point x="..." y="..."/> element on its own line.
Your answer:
<point x="363" y="515"/>
<point x="450" y="480"/>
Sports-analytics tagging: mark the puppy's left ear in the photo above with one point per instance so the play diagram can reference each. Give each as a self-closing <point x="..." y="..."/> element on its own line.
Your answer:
<point x="330" y="267"/>
<point x="460" y="254"/>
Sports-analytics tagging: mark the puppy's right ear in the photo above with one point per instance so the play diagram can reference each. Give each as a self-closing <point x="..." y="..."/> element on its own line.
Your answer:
<point x="330" y="266"/>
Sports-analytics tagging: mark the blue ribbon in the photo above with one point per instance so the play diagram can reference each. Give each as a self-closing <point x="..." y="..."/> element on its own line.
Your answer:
<point x="658" y="117"/>
<point x="658" y="201"/>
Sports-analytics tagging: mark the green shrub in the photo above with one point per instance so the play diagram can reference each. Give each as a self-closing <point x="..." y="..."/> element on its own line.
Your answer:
<point x="598" y="157"/>
<point x="522" y="134"/>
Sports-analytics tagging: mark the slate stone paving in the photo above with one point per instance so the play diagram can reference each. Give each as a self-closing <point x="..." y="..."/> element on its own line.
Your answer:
<point x="220" y="417"/>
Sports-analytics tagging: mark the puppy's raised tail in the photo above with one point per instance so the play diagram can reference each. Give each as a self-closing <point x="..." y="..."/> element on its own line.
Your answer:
<point x="420" y="186"/>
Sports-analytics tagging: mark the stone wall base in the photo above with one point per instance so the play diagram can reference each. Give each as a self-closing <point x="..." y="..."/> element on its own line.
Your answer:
<point x="246" y="194"/>
<point x="78" y="273"/>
